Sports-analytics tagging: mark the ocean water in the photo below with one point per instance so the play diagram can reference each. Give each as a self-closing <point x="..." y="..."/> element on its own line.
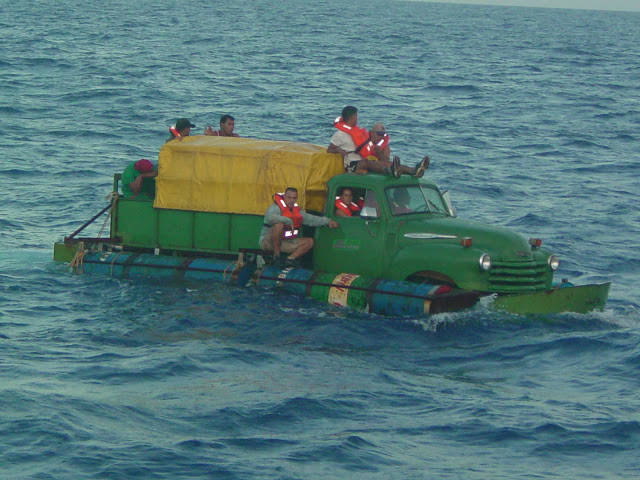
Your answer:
<point x="532" y="120"/>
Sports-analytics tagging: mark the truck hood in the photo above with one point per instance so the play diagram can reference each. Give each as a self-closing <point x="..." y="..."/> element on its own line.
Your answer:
<point x="499" y="242"/>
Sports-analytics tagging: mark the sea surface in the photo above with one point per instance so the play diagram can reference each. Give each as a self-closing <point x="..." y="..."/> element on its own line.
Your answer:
<point x="531" y="118"/>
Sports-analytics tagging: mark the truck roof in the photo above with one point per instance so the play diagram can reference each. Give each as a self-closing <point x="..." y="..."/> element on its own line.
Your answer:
<point x="376" y="180"/>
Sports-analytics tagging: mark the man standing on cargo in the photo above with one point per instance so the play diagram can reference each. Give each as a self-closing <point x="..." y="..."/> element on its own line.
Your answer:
<point x="358" y="149"/>
<point x="282" y="223"/>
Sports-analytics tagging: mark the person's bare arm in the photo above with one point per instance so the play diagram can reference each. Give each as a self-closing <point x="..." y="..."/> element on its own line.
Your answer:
<point x="383" y="153"/>
<point x="137" y="183"/>
<point x="336" y="149"/>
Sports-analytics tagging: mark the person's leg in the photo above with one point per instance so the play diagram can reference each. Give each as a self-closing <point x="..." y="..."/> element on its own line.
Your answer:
<point x="416" y="171"/>
<point x="377" y="166"/>
<point x="384" y="167"/>
<point x="276" y="238"/>
<point x="421" y="167"/>
<point x="304" y="244"/>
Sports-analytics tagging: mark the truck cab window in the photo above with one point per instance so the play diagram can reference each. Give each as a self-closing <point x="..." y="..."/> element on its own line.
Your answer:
<point x="415" y="199"/>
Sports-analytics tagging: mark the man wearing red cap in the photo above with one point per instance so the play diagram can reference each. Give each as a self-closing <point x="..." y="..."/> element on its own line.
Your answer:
<point x="138" y="177"/>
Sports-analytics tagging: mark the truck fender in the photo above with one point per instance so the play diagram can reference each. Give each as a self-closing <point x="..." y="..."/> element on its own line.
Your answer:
<point x="451" y="264"/>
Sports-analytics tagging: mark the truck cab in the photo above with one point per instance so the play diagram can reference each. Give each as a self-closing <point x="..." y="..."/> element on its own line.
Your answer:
<point x="407" y="230"/>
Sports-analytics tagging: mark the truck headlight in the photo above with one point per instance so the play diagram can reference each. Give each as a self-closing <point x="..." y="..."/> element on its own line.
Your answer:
<point x="553" y="262"/>
<point x="484" y="262"/>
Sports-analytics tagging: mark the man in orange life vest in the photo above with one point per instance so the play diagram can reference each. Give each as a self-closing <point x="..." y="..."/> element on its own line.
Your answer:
<point x="354" y="144"/>
<point x="344" y="204"/>
<point x="182" y="128"/>
<point x="282" y="223"/>
<point x="378" y="145"/>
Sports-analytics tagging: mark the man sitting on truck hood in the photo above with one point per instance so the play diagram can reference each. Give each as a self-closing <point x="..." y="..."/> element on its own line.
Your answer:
<point x="282" y="223"/>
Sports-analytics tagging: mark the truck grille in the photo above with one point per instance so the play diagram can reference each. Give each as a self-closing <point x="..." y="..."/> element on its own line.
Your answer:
<point x="515" y="277"/>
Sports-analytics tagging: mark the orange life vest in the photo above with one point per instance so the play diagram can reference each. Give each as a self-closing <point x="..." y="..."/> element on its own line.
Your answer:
<point x="359" y="135"/>
<point x="369" y="148"/>
<point x="289" y="231"/>
<point x="174" y="132"/>
<point x="348" y="208"/>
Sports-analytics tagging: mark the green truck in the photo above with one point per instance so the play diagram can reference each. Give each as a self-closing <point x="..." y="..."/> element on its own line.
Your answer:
<point x="407" y="232"/>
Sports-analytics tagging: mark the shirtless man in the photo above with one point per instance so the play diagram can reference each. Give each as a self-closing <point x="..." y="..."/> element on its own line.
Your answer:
<point x="227" y="122"/>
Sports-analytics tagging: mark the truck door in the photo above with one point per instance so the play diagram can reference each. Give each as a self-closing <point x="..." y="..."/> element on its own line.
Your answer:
<point x="357" y="245"/>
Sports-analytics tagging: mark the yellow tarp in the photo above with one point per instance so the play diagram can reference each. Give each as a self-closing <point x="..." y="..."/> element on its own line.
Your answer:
<point x="240" y="175"/>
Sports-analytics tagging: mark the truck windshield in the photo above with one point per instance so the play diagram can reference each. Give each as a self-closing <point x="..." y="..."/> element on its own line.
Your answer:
<point x="415" y="199"/>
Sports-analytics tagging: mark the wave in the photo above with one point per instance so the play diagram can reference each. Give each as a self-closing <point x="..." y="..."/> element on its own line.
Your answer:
<point x="10" y="110"/>
<point x="453" y="88"/>
<point x="529" y="220"/>
<point x="585" y="144"/>
<point x="350" y="451"/>
<point x="9" y="225"/>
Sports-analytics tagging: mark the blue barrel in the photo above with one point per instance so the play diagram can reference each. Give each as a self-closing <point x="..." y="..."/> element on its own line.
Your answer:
<point x="134" y="265"/>
<point x="148" y="265"/>
<point x="210" y="269"/>
<point x="388" y="297"/>
<point x="404" y="298"/>
<point x="292" y="280"/>
<point x="105" y="263"/>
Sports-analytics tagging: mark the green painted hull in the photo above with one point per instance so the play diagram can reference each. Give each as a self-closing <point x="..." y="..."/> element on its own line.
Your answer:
<point x="578" y="299"/>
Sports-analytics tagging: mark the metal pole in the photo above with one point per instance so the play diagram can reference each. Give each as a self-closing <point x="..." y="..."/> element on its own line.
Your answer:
<point x="87" y="223"/>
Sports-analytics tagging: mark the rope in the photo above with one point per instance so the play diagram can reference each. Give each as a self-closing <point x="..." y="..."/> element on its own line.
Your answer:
<point x="78" y="259"/>
<point x="113" y="198"/>
<point x="240" y="261"/>
<point x="237" y="265"/>
<point x="226" y="270"/>
<point x="115" y="257"/>
<point x="260" y="264"/>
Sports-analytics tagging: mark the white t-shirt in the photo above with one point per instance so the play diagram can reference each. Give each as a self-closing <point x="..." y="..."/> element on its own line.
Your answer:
<point x="344" y="141"/>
